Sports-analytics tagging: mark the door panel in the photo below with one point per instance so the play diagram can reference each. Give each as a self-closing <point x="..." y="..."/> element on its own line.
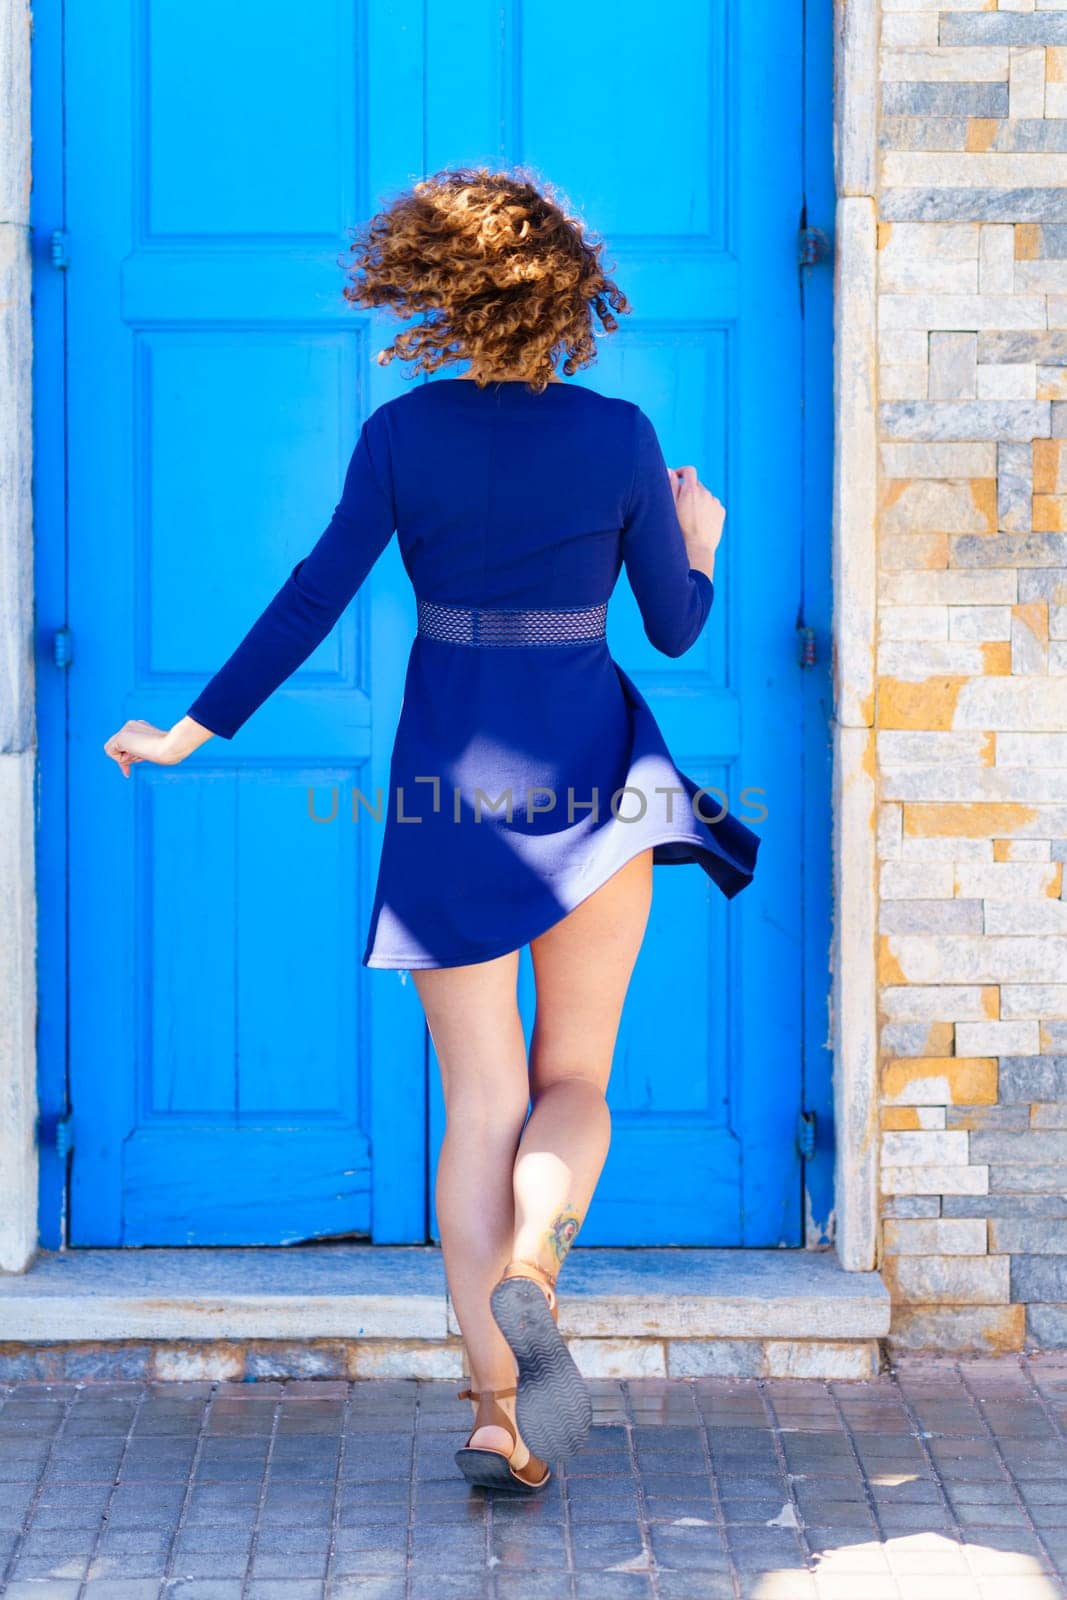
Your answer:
<point x="223" y="1032"/>
<point x="683" y="145"/>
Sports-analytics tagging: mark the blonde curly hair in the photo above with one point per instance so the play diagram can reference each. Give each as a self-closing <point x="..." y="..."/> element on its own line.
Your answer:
<point x="507" y="277"/>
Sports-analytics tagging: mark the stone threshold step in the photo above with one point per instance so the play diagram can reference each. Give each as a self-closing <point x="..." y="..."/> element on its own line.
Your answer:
<point x="357" y="1291"/>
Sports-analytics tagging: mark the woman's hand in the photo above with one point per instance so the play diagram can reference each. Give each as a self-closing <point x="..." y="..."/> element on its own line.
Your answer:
<point x="701" y="517"/>
<point x="138" y="740"/>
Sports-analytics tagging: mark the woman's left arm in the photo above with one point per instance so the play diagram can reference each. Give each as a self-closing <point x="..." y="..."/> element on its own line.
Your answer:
<point x="301" y="614"/>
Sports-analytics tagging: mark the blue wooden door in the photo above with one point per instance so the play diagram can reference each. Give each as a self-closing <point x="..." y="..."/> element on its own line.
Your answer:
<point x="680" y="139"/>
<point x="235" y="1075"/>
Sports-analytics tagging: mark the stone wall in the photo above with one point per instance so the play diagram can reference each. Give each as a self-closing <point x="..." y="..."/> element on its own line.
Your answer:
<point x="970" y="711"/>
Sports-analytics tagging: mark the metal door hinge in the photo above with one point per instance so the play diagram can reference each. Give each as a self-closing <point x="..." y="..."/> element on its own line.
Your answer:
<point x="813" y="246"/>
<point x="806" y="1135"/>
<point x="55" y="1131"/>
<point x="806" y="646"/>
<point x="60" y="250"/>
<point x="62" y="647"/>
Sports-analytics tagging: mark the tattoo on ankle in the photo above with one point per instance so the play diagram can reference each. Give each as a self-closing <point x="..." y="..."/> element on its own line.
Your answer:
<point x="562" y="1233"/>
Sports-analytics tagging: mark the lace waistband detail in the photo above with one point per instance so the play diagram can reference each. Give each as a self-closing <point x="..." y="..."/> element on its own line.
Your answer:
<point x="481" y="625"/>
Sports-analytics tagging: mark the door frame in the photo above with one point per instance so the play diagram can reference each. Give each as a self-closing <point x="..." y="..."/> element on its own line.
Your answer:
<point x="50" y="427"/>
<point x="841" y="1176"/>
<point x="817" y="343"/>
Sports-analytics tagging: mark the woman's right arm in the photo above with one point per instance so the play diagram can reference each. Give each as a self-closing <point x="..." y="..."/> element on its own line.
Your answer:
<point x="670" y="532"/>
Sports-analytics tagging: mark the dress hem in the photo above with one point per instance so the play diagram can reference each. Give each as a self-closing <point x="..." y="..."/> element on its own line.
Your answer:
<point x="385" y="963"/>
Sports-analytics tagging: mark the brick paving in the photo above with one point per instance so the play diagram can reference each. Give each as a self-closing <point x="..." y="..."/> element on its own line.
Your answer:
<point x="939" y="1480"/>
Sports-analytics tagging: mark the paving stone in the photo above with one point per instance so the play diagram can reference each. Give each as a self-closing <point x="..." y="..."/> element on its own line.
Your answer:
<point x="205" y="1589"/>
<point x="373" y="1535"/>
<point x="284" y="1589"/>
<point x="121" y="1589"/>
<point x="693" y="1548"/>
<point x="220" y="1564"/>
<point x="447" y="1586"/>
<point x="367" y="1588"/>
<point x="364" y="1563"/>
<point x="295" y="1564"/>
<point x="683" y="1493"/>
<point x="533" y="1586"/>
<point x="46" y="1589"/>
<point x="613" y="1586"/>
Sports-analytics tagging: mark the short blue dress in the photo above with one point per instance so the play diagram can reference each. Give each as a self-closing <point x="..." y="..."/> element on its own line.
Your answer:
<point x="527" y="767"/>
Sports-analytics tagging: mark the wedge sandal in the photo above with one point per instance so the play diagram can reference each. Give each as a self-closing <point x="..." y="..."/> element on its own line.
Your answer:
<point x="553" y="1407"/>
<point x="492" y="1469"/>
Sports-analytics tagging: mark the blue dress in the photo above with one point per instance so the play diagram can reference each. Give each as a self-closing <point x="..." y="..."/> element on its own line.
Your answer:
<point x="522" y="776"/>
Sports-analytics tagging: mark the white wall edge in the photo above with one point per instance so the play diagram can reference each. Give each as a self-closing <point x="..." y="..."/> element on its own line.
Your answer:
<point x="18" y="1014"/>
<point x="854" y="967"/>
<point x="18" y="905"/>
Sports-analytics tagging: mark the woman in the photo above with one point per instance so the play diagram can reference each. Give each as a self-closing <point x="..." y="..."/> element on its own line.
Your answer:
<point x="521" y="744"/>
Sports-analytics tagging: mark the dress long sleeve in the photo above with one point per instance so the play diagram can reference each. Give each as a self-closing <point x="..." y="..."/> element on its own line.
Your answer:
<point x="310" y="601"/>
<point x="674" y="598"/>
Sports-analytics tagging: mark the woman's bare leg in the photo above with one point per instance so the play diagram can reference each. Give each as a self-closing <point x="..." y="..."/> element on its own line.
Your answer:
<point x="498" y="1198"/>
<point x="582" y="969"/>
<point x="473" y="1017"/>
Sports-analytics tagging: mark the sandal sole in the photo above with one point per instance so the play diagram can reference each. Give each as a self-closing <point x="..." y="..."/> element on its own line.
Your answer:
<point x="487" y="1469"/>
<point x="553" y="1407"/>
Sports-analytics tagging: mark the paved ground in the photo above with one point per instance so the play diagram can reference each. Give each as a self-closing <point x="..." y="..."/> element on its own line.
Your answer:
<point x="939" y="1482"/>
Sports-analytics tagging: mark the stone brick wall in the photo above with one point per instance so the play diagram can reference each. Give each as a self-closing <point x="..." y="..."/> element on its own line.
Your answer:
<point x="970" y="710"/>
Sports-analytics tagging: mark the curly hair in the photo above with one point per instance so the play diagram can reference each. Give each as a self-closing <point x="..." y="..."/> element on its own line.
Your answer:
<point x="507" y="277"/>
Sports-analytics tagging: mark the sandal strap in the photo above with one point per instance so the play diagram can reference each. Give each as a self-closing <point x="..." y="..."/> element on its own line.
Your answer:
<point x="534" y="1472"/>
<point x="497" y="1418"/>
